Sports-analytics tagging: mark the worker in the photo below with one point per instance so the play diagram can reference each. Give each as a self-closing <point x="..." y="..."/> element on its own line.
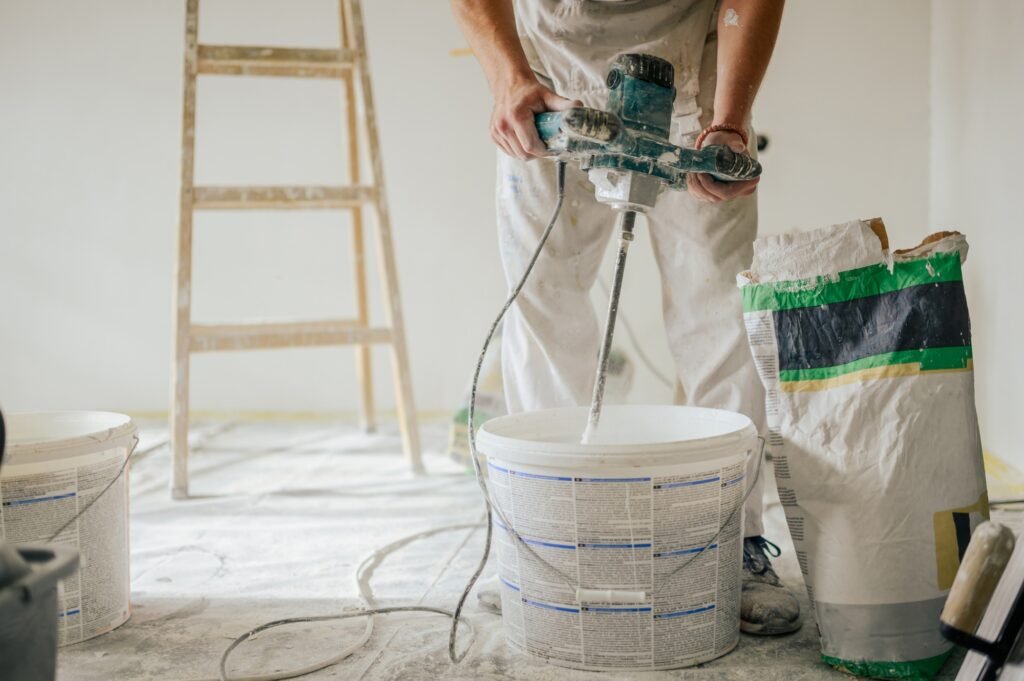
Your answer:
<point x="551" y="55"/>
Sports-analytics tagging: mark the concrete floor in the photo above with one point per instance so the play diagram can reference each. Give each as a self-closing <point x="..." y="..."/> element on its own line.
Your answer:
<point x="281" y="516"/>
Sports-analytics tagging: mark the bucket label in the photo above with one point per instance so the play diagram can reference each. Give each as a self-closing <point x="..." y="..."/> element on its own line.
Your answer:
<point x="675" y="537"/>
<point x="36" y="499"/>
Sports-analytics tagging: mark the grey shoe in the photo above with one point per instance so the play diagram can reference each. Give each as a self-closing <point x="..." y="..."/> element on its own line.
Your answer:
<point x="766" y="606"/>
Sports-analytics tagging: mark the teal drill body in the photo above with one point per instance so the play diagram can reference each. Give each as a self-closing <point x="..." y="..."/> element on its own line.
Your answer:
<point x="632" y="135"/>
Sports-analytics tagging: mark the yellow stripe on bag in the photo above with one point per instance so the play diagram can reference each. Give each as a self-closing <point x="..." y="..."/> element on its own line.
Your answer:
<point x="865" y="375"/>
<point x="1005" y="481"/>
<point x="952" y="533"/>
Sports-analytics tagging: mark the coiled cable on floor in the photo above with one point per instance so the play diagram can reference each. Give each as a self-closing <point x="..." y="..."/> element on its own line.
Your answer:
<point x="363" y="574"/>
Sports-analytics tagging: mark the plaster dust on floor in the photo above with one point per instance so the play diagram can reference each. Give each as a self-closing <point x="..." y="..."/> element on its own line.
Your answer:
<point x="282" y="515"/>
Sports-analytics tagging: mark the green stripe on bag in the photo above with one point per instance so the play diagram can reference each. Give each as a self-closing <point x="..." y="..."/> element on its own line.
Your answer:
<point x="859" y="283"/>
<point x="914" y="670"/>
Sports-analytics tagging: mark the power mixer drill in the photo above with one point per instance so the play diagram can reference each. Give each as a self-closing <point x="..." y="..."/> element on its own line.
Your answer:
<point x="628" y="157"/>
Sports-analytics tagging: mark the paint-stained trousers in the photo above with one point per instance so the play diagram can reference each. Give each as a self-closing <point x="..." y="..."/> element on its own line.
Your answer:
<point x="551" y="335"/>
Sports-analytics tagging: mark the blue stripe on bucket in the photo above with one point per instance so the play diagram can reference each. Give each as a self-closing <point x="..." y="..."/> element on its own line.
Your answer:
<point x="684" y="613"/>
<point x="68" y="613"/>
<point x="614" y="479"/>
<point x="588" y="609"/>
<point x="535" y="476"/>
<point x="683" y="552"/>
<point x="509" y="584"/>
<point x="734" y="480"/>
<point x="537" y="542"/>
<point x="21" y="502"/>
<point x="688" y="483"/>
<point x="497" y="468"/>
<point x="550" y="607"/>
<point x="615" y="546"/>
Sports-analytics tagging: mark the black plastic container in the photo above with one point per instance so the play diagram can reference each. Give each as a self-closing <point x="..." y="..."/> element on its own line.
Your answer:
<point x="28" y="614"/>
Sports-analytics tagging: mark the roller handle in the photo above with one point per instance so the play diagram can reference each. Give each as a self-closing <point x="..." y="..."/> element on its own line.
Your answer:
<point x="980" y="571"/>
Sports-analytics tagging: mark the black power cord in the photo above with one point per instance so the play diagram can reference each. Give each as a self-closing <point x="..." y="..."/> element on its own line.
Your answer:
<point x="3" y="438"/>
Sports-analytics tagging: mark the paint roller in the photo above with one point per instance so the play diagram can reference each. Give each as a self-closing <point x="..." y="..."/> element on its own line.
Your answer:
<point x="984" y="611"/>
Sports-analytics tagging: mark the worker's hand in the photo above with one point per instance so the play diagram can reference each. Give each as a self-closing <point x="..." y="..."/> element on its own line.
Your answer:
<point x="512" y="124"/>
<point x="706" y="188"/>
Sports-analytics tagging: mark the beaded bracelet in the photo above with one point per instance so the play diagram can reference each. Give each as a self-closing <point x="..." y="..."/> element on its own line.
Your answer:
<point x="721" y="128"/>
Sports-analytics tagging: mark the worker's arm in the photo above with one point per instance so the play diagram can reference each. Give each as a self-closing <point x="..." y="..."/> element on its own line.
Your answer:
<point x="747" y="30"/>
<point x="490" y="27"/>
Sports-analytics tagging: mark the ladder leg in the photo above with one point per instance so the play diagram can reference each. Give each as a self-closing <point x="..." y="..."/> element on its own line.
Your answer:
<point x="183" y="269"/>
<point x="404" y="401"/>
<point x="363" y="357"/>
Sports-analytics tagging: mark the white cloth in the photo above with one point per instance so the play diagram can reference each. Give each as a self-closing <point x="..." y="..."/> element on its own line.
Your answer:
<point x="551" y="336"/>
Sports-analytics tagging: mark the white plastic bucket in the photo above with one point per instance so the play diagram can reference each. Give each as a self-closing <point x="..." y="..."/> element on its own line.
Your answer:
<point x="54" y="464"/>
<point x="626" y="523"/>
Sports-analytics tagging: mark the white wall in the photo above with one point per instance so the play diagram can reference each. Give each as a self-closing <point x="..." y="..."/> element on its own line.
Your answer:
<point x="89" y="182"/>
<point x="845" y="107"/>
<point x="89" y="185"/>
<point x="977" y="84"/>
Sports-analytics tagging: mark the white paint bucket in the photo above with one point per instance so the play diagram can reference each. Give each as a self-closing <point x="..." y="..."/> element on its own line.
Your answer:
<point x="56" y="463"/>
<point x="626" y="523"/>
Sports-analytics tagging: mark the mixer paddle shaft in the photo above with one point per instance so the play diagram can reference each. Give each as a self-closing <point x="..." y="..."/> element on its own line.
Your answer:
<point x="626" y="222"/>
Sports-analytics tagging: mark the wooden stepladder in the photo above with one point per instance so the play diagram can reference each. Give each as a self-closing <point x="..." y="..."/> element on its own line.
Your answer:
<point x="349" y="65"/>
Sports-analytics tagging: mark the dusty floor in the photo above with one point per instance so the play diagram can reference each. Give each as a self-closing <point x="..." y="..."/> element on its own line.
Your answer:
<point x="282" y="515"/>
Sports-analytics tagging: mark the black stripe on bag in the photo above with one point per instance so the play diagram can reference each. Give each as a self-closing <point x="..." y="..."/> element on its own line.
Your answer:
<point x="914" y="318"/>
<point x="962" y="524"/>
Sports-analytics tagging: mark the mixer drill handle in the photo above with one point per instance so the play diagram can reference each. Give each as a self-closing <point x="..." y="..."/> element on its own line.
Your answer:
<point x="600" y="138"/>
<point x="556" y="128"/>
<point x="728" y="165"/>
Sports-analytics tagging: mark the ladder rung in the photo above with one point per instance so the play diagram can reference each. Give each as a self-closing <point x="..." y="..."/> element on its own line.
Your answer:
<point x="214" y="337"/>
<point x="262" y="198"/>
<point x="240" y="60"/>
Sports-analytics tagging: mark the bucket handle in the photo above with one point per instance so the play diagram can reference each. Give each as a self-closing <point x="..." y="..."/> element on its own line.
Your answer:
<point x="120" y="472"/>
<point x="739" y="508"/>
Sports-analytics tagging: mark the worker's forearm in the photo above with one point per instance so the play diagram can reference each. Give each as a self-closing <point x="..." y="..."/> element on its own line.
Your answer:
<point x="747" y="30"/>
<point x="490" y="27"/>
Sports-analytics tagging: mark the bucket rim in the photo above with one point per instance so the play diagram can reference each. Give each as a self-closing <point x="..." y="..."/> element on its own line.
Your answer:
<point x="109" y="426"/>
<point x="492" y="442"/>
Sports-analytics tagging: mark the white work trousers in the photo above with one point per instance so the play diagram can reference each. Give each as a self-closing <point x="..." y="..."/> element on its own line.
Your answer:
<point x="551" y="335"/>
